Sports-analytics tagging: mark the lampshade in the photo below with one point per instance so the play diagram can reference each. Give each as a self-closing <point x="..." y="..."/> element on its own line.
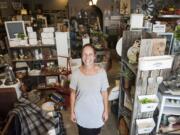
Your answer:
<point x="90" y="3"/>
<point x="94" y="2"/>
<point x="23" y="11"/>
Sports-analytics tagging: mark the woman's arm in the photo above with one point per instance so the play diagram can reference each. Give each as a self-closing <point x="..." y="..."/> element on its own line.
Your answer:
<point x="105" y="102"/>
<point x="72" y="102"/>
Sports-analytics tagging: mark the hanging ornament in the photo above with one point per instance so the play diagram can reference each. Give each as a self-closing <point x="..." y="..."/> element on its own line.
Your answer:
<point x="146" y="6"/>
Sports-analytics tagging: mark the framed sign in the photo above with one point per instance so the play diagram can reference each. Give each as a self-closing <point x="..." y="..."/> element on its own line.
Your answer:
<point x="136" y="21"/>
<point x="51" y="80"/>
<point x="13" y="28"/>
<point x="159" y="28"/>
<point x="169" y="41"/>
<point x="125" y="6"/>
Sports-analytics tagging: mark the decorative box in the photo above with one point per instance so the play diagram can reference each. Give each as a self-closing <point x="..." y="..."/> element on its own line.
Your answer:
<point x="148" y="103"/>
<point x="145" y="126"/>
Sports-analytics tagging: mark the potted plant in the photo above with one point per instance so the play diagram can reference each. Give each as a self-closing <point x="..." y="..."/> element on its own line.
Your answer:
<point x="148" y="103"/>
<point x="23" y="38"/>
<point x="127" y="77"/>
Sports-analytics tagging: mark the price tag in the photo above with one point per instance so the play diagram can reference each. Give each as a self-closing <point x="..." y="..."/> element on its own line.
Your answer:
<point x="159" y="28"/>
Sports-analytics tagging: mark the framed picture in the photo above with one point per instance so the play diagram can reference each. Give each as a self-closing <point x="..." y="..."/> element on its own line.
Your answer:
<point x="169" y="41"/>
<point x="51" y="80"/>
<point x="13" y="28"/>
<point x="125" y="6"/>
<point x="136" y="21"/>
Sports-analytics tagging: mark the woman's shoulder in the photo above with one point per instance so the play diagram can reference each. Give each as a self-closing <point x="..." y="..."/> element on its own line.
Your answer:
<point x="99" y="69"/>
<point x="75" y="71"/>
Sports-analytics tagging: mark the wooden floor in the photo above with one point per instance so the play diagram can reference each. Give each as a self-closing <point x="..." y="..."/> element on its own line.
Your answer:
<point x="110" y="128"/>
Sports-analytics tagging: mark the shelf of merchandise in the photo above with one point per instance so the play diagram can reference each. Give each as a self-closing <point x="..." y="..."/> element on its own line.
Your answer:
<point x="63" y="90"/>
<point x="34" y="63"/>
<point x="166" y="107"/>
<point x="169" y="16"/>
<point x="169" y="104"/>
<point x="171" y="111"/>
<point x="32" y="46"/>
<point x="30" y="60"/>
<point x="49" y="74"/>
<point x="128" y="39"/>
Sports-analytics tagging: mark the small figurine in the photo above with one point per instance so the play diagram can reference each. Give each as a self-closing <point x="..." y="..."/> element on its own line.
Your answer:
<point x="133" y="52"/>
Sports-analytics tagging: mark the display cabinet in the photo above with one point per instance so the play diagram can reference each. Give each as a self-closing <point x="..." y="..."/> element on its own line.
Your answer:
<point x="137" y="99"/>
<point x="169" y="106"/>
<point x="41" y="62"/>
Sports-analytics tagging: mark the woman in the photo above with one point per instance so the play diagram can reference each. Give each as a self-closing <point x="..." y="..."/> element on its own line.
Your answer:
<point x="89" y="97"/>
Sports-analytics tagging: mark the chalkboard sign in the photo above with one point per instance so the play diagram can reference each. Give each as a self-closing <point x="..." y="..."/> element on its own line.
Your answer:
<point x="14" y="27"/>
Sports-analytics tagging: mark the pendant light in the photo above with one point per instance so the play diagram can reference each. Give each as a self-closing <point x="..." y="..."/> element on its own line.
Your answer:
<point x="92" y="2"/>
<point x="23" y="10"/>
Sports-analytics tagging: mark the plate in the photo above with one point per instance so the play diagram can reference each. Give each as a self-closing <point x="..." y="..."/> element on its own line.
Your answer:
<point x="48" y="106"/>
<point x="119" y="47"/>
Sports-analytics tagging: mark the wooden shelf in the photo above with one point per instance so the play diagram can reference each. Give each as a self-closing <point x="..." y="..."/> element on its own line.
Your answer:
<point x="32" y="46"/>
<point x="169" y="16"/>
<point x="168" y="104"/>
<point x="62" y="90"/>
<point x="49" y="74"/>
<point x="29" y="60"/>
<point x="171" y="111"/>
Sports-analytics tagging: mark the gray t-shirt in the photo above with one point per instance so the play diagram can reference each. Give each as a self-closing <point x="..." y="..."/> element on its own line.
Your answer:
<point x="89" y="105"/>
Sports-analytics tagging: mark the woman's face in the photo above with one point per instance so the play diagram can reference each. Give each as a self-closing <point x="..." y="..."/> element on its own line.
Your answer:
<point x="88" y="56"/>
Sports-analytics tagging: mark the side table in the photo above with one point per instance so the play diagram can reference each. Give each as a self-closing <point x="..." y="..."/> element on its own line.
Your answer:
<point x="167" y="107"/>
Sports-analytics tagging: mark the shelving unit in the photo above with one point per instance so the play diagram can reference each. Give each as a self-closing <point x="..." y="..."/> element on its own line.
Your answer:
<point x="169" y="16"/>
<point x="141" y="85"/>
<point x="39" y="64"/>
<point x="166" y="107"/>
<point x="29" y="60"/>
<point x="124" y="112"/>
<point x="31" y="48"/>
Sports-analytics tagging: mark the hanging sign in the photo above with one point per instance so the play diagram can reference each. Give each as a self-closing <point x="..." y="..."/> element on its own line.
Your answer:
<point x="159" y="28"/>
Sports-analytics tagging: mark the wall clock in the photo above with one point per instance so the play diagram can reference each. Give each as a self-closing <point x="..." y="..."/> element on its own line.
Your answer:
<point x="146" y="6"/>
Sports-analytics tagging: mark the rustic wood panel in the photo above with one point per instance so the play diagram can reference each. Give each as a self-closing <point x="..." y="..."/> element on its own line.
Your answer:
<point x="146" y="82"/>
<point x="145" y="48"/>
<point x="159" y="46"/>
<point x="153" y="86"/>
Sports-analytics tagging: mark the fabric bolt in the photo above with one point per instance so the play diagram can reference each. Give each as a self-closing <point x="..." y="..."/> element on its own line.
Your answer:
<point x="34" y="121"/>
<point x="89" y="105"/>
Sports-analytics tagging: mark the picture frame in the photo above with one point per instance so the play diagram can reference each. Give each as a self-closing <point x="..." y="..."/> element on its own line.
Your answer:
<point x="125" y="7"/>
<point x="169" y="41"/>
<point x="51" y="80"/>
<point x="14" y="27"/>
<point x="136" y="21"/>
